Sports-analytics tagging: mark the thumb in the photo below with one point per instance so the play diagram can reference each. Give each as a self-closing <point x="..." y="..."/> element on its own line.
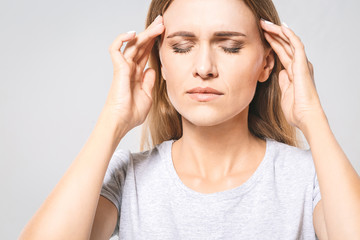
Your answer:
<point x="148" y="81"/>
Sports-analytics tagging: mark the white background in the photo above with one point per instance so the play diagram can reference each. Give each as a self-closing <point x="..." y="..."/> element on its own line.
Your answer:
<point x="55" y="73"/>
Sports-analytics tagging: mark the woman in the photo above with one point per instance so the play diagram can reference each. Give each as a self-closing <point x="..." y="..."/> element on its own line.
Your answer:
<point x="223" y="97"/>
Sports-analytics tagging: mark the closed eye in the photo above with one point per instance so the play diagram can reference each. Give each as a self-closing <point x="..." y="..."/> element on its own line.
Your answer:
<point x="232" y="50"/>
<point x="226" y="50"/>
<point x="181" y="50"/>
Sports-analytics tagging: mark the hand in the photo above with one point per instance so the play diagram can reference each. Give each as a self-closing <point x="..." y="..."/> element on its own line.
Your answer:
<point x="299" y="99"/>
<point x="129" y="99"/>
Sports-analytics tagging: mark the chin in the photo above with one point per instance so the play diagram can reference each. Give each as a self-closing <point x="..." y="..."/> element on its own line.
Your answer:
<point x="202" y="119"/>
<point x="209" y="115"/>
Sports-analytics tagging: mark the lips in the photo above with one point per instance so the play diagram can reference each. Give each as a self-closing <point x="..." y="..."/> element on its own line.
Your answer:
<point x="204" y="94"/>
<point x="206" y="90"/>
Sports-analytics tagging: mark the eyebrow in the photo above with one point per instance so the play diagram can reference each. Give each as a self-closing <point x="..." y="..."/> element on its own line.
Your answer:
<point x="216" y="34"/>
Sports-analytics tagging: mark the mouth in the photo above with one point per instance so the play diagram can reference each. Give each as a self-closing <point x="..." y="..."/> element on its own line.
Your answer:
<point x="207" y="90"/>
<point x="204" y="94"/>
<point x="204" y="97"/>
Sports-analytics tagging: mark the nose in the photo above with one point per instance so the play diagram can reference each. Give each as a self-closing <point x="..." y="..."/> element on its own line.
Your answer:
<point x="205" y="65"/>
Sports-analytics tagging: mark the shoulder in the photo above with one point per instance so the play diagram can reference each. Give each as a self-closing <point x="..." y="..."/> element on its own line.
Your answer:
<point x="119" y="161"/>
<point x="291" y="158"/>
<point x="282" y="150"/>
<point x="137" y="159"/>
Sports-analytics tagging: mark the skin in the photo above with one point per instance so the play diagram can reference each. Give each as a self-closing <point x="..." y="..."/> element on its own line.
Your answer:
<point x="336" y="216"/>
<point x="216" y="151"/>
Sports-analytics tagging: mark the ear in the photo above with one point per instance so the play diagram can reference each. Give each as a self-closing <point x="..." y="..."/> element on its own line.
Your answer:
<point x="269" y="62"/>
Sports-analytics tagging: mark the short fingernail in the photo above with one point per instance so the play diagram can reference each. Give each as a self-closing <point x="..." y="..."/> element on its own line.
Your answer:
<point x="158" y="16"/>
<point x="158" y="23"/>
<point x="283" y="23"/>
<point x="131" y="32"/>
<point x="267" y="22"/>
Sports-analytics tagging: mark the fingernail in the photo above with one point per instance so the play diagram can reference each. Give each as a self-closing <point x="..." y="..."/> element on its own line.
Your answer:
<point x="157" y="21"/>
<point x="131" y="32"/>
<point x="157" y="17"/>
<point x="285" y="24"/>
<point x="267" y="22"/>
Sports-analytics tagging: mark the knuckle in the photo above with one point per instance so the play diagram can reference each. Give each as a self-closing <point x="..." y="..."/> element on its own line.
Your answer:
<point x="128" y="59"/>
<point x="146" y="37"/>
<point x="111" y="49"/>
<point x="143" y="38"/>
<point x="301" y="45"/>
<point x="280" y="33"/>
<point x="128" y="53"/>
<point x="138" y="68"/>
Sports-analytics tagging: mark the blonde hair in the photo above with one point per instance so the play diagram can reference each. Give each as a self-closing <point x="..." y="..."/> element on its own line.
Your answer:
<point x="265" y="119"/>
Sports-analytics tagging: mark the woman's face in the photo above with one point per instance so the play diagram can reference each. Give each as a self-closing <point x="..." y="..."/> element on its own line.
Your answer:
<point x="214" y="44"/>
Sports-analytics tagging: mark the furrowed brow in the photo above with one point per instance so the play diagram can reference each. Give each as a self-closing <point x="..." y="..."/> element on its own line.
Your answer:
<point x="229" y="34"/>
<point x="216" y="34"/>
<point x="181" y="34"/>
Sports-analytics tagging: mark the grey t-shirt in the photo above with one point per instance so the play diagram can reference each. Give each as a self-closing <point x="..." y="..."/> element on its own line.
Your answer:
<point x="276" y="202"/>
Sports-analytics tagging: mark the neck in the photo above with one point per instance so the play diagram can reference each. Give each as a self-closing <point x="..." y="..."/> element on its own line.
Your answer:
<point x="217" y="151"/>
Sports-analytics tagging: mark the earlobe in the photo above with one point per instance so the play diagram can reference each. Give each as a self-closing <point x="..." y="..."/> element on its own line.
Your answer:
<point x="269" y="62"/>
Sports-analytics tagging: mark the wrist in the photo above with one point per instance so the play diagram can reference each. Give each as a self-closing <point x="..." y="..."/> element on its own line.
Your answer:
<point x="109" y="123"/>
<point x="313" y="123"/>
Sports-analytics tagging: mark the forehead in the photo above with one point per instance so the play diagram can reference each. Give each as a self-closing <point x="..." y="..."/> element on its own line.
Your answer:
<point x="209" y="15"/>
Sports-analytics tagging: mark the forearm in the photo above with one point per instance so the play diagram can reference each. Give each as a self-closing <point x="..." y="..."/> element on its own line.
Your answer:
<point x="69" y="210"/>
<point x="338" y="180"/>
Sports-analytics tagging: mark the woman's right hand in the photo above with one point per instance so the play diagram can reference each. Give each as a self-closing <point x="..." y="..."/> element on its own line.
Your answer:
<point x="129" y="99"/>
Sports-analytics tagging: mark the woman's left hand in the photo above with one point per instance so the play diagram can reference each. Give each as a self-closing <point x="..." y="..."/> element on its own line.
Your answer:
<point x="300" y="101"/>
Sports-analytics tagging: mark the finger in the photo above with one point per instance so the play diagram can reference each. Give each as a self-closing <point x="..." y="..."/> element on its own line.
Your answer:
<point x="140" y="65"/>
<point x="145" y="57"/>
<point x="283" y="43"/>
<point x="276" y="30"/>
<point x="143" y="50"/>
<point x="285" y="59"/>
<point x="301" y="64"/>
<point x="136" y="47"/>
<point x="284" y="82"/>
<point x="311" y="68"/>
<point x="148" y="81"/>
<point x="138" y="50"/>
<point x="117" y="57"/>
<point x="299" y="49"/>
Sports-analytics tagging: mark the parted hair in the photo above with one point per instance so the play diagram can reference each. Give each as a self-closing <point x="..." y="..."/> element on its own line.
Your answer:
<point x="265" y="119"/>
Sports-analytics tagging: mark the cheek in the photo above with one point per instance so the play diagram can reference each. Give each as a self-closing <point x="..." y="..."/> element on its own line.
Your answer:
<point x="175" y="70"/>
<point x="171" y="72"/>
<point x="243" y="76"/>
<point x="170" y="64"/>
<point x="241" y="92"/>
<point x="247" y="65"/>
